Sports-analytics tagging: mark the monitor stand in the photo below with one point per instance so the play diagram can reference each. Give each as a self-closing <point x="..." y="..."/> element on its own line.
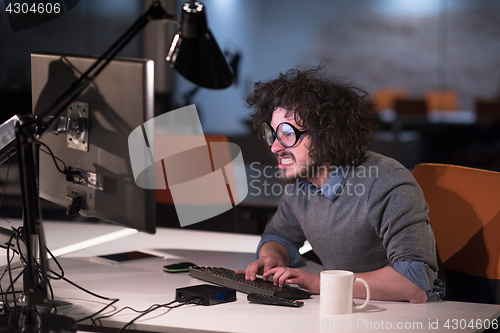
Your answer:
<point x="22" y="317"/>
<point x="28" y="322"/>
<point x="31" y="317"/>
<point x="60" y="306"/>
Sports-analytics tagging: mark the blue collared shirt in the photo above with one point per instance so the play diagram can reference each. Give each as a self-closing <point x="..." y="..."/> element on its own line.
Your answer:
<point x="415" y="271"/>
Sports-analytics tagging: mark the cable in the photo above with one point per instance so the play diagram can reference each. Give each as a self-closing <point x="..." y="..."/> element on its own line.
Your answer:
<point x="142" y="312"/>
<point x="54" y="275"/>
<point x="8" y="269"/>
<point x="5" y="188"/>
<point x="98" y="312"/>
<point x="88" y="291"/>
<point x="57" y="276"/>
<point x="55" y="158"/>
<point x="4" y="295"/>
<point x="5" y="185"/>
<point x="122" y="309"/>
<point x="155" y="308"/>
<point x="68" y="172"/>
<point x="19" y="238"/>
<point x="53" y="301"/>
<point x="9" y="260"/>
<point x="60" y="276"/>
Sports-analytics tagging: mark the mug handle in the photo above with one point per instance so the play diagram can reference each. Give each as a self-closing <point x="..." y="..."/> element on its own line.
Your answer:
<point x="367" y="294"/>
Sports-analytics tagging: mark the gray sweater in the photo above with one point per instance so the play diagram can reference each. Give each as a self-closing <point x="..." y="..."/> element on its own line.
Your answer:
<point x="380" y="218"/>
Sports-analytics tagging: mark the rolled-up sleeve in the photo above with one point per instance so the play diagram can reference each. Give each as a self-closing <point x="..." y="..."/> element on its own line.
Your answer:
<point x="292" y="251"/>
<point x="416" y="272"/>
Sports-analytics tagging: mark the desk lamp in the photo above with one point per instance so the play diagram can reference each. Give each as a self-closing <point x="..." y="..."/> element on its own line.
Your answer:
<point x="194" y="54"/>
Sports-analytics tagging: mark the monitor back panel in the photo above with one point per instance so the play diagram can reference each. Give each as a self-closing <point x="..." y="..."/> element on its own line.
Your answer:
<point x="119" y="100"/>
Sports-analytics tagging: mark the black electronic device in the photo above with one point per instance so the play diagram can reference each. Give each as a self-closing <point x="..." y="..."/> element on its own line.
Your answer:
<point x="205" y="294"/>
<point x="228" y="278"/>
<point x="116" y="258"/>
<point x="273" y="300"/>
<point x="92" y="137"/>
<point x="179" y="267"/>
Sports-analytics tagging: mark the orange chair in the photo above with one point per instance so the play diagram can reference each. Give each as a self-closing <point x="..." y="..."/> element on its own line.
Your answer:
<point x="464" y="213"/>
<point x="442" y="100"/>
<point x="385" y="98"/>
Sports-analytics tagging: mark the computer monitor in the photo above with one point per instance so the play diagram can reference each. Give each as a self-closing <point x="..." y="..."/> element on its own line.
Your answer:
<point x="118" y="100"/>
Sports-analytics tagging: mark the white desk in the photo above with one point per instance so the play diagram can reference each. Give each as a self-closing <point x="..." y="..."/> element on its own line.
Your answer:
<point x="142" y="283"/>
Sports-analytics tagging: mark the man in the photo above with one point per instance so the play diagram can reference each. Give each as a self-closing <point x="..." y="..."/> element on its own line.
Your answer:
<point x="360" y="211"/>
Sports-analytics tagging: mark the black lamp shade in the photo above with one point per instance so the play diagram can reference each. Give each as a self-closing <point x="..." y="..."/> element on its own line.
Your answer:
<point x="194" y="53"/>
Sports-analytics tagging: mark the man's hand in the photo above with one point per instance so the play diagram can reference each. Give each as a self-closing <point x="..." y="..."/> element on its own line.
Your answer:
<point x="261" y="265"/>
<point x="306" y="280"/>
<point x="271" y="255"/>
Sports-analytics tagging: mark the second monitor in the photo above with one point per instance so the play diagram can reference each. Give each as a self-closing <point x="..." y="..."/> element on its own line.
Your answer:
<point x="95" y="145"/>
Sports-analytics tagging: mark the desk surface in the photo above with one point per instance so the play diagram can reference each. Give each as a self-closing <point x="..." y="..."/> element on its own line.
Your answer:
<point x="142" y="283"/>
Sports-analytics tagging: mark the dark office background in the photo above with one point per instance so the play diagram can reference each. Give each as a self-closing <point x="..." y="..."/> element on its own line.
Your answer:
<point x="417" y="45"/>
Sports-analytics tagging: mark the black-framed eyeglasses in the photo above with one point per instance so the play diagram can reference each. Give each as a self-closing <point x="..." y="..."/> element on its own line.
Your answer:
<point x="287" y="134"/>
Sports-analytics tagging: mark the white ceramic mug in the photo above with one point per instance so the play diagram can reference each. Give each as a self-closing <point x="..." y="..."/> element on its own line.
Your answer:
<point x="336" y="292"/>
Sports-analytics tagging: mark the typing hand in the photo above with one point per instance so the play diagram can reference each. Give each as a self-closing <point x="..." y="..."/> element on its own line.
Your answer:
<point x="282" y="275"/>
<point x="261" y="265"/>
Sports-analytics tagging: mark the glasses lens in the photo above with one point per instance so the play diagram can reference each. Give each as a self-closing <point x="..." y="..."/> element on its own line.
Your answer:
<point x="267" y="131"/>
<point x="286" y="134"/>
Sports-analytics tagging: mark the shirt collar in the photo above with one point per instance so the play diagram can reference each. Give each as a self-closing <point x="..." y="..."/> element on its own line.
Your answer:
<point x="332" y="187"/>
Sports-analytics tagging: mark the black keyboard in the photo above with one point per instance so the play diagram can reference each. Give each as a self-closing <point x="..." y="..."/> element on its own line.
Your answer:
<point x="229" y="279"/>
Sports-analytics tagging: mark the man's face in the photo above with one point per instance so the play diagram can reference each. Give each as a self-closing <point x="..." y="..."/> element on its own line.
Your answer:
<point x="294" y="162"/>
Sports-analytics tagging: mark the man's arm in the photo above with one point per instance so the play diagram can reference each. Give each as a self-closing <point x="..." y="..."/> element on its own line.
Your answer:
<point x="386" y="284"/>
<point x="398" y="203"/>
<point x="271" y="254"/>
<point x="389" y="285"/>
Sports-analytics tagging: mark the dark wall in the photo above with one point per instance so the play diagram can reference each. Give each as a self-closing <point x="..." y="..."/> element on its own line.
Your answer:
<point x="89" y="28"/>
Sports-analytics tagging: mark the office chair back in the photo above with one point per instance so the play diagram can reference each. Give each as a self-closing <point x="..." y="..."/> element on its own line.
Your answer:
<point x="442" y="100"/>
<point x="464" y="211"/>
<point x="488" y="110"/>
<point x="411" y="107"/>
<point x="385" y="98"/>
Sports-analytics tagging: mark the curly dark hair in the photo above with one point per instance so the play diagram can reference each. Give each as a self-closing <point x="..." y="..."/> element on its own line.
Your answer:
<point x="336" y="115"/>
